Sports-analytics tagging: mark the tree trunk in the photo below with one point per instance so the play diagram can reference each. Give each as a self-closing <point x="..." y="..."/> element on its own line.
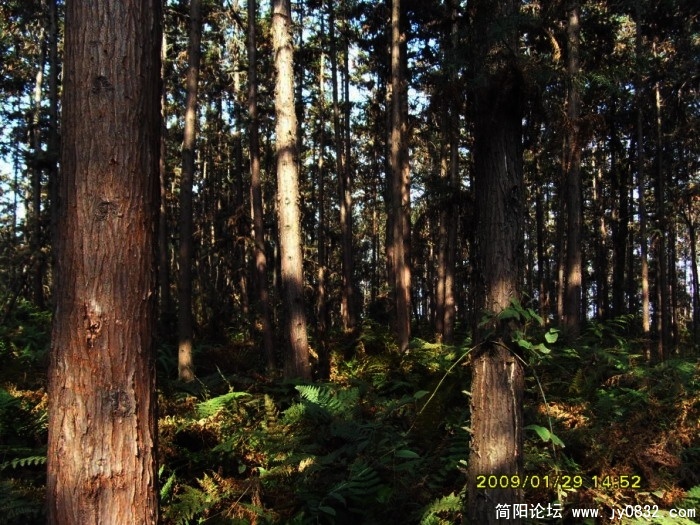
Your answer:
<point x="322" y="310"/>
<point x="34" y="216"/>
<point x="400" y="194"/>
<point x="663" y="317"/>
<point x="165" y="302"/>
<point x="572" y="299"/>
<point x="497" y="376"/>
<point x="289" y="216"/>
<point x="342" y="157"/>
<point x="641" y="188"/>
<point x="263" y="299"/>
<point x="102" y="414"/>
<point x="185" y="363"/>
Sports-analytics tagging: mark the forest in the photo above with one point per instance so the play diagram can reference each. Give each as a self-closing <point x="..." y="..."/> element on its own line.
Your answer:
<point x="349" y="262"/>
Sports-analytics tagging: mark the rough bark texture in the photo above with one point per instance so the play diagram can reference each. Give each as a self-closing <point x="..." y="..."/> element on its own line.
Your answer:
<point x="289" y="217"/>
<point x="102" y="413"/>
<point x="185" y="365"/>
<point x="497" y="376"/>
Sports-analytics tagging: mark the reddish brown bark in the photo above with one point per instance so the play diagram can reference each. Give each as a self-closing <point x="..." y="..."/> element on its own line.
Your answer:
<point x="102" y="417"/>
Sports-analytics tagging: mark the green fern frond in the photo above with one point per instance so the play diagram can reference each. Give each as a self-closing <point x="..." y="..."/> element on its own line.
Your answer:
<point x="449" y="505"/>
<point x="24" y="462"/>
<point x="211" y="406"/>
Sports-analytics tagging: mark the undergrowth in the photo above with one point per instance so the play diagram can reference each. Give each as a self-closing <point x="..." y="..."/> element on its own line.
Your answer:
<point x="386" y="438"/>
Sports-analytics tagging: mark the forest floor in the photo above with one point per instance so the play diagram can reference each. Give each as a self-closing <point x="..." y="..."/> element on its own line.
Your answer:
<point x="386" y="438"/>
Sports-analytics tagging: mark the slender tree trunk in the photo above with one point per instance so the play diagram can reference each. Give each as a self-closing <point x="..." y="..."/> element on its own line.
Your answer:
<point x="289" y="216"/>
<point x="572" y="299"/>
<point x="620" y="219"/>
<point x="400" y="180"/>
<point x="641" y="189"/>
<point x="444" y="217"/>
<point x="263" y="298"/>
<point x="185" y="319"/>
<point x="342" y="156"/>
<point x="34" y="215"/>
<point x="102" y="414"/>
<point x="663" y="317"/>
<point x="53" y="146"/>
<point x="322" y="311"/>
<point x="166" y="307"/>
<point x="497" y="376"/>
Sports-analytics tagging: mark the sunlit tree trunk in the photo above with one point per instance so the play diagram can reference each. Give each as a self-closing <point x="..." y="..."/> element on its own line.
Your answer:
<point x="260" y="258"/>
<point x="641" y="187"/>
<point x="185" y="363"/>
<point x="289" y="217"/>
<point x="102" y="413"/>
<point x="34" y="215"/>
<point x="497" y="375"/>
<point x="400" y="189"/>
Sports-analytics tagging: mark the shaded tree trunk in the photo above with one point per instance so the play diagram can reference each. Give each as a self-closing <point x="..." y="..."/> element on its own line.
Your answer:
<point x="260" y="258"/>
<point x="497" y="376"/>
<point x="289" y="216"/>
<point x="102" y="414"/>
<point x="342" y="157"/>
<point x="572" y="299"/>
<point x="165" y="303"/>
<point x="185" y="321"/>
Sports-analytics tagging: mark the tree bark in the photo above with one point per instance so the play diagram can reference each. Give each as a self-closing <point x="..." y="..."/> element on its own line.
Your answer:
<point x="572" y="299"/>
<point x="641" y="187"/>
<point x="400" y="177"/>
<point x="263" y="298"/>
<point x="497" y="376"/>
<point x="185" y="364"/>
<point x="102" y="414"/>
<point x="289" y="216"/>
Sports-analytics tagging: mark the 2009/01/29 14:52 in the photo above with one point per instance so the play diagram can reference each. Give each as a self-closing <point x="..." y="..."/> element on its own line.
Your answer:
<point x="563" y="481"/>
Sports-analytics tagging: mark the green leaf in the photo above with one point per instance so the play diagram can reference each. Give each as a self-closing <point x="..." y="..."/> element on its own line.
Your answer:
<point x="328" y="510"/>
<point x="541" y="349"/>
<point x="524" y="343"/>
<point x="420" y="394"/>
<point x="552" y="336"/>
<point x="544" y="433"/>
<point x="406" y="454"/>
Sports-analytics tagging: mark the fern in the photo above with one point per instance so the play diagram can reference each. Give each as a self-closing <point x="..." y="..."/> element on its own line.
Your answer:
<point x="211" y="406"/>
<point x="450" y="505"/>
<point x="24" y="462"/>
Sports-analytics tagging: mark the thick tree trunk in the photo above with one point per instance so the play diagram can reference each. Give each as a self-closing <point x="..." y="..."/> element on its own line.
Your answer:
<point x="400" y="194"/>
<point x="263" y="299"/>
<point x="102" y="413"/>
<point x="289" y="217"/>
<point x="185" y="322"/>
<point x="497" y="376"/>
